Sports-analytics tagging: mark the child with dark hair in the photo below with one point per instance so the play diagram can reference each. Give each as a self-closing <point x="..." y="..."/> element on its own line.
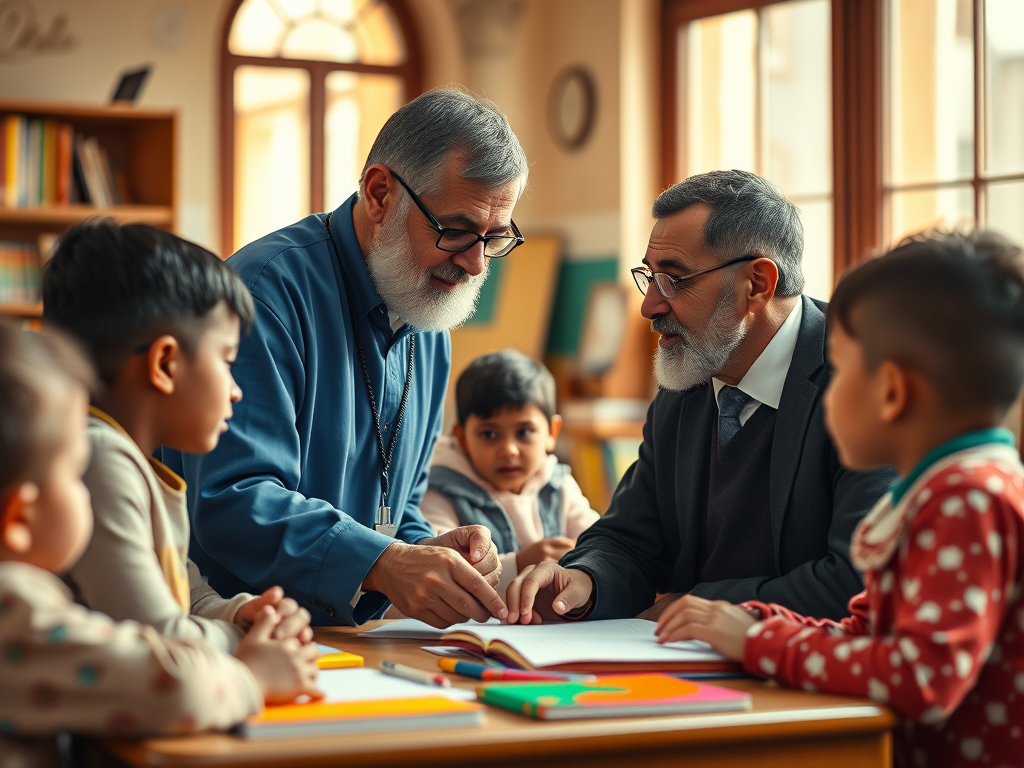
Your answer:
<point x="69" y="669"/>
<point x="927" y="349"/>
<point x="161" y="319"/>
<point x="496" y="469"/>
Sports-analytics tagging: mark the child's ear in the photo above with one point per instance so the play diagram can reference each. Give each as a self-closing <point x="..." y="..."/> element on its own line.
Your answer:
<point x="460" y="437"/>
<point x="163" y="363"/>
<point x="16" y="518"/>
<point x="554" y="431"/>
<point x="895" y="392"/>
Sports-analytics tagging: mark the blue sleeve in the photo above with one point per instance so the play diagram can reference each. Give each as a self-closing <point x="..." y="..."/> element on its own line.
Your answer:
<point x="247" y="513"/>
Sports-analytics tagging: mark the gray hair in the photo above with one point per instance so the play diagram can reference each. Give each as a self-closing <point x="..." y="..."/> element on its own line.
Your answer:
<point x="418" y="138"/>
<point x="748" y="215"/>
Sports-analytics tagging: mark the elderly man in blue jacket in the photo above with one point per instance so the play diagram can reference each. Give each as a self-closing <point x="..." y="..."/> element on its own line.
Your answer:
<point x="316" y="485"/>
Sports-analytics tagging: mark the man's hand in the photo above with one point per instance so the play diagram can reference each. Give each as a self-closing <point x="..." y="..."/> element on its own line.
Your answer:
<point x="474" y="543"/>
<point x="435" y="584"/>
<point x="554" y="589"/>
<point x="722" y="625"/>
<point x="293" y="620"/>
<point x="543" y="550"/>
<point x="654" y="612"/>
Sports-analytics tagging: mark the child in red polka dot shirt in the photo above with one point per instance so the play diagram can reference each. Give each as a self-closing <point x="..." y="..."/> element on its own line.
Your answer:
<point x="927" y="349"/>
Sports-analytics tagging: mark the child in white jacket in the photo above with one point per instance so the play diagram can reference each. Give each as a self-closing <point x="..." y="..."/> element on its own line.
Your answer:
<point x="497" y="469"/>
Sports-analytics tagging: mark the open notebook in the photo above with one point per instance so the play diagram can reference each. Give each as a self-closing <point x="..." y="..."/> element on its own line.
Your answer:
<point x="626" y="645"/>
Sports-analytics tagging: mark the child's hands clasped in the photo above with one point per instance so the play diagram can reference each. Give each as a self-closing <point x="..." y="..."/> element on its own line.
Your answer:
<point x="720" y="624"/>
<point x="284" y="668"/>
<point x="293" y="619"/>
<point x="545" y="549"/>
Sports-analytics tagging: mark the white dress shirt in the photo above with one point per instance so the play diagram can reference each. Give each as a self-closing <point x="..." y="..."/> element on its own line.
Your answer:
<point x="766" y="377"/>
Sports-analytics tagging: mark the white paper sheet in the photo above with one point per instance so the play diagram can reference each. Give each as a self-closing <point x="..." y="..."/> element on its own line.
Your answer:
<point x="412" y="629"/>
<point x="615" y="640"/>
<point x="363" y="684"/>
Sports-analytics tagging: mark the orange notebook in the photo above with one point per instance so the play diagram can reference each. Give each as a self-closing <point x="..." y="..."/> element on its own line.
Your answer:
<point x="336" y="718"/>
<point x="612" y="696"/>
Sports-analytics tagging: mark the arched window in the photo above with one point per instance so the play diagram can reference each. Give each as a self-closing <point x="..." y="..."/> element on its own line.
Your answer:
<point x="306" y="86"/>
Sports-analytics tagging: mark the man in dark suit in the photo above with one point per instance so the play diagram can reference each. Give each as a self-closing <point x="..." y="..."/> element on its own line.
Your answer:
<point x="737" y="493"/>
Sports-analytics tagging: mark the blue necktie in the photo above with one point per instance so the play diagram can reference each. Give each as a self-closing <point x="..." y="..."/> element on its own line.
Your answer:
<point x="730" y="404"/>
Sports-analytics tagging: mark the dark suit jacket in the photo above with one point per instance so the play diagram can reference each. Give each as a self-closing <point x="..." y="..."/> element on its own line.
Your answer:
<point x="647" y="542"/>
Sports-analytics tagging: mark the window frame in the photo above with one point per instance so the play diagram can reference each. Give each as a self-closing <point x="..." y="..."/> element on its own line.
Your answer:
<point x="410" y="71"/>
<point x="857" y="104"/>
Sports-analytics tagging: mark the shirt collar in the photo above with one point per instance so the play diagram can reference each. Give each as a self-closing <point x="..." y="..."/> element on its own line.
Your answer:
<point x="353" y="261"/>
<point x="958" y="443"/>
<point x="765" y="379"/>
<point x="164" y="474"/>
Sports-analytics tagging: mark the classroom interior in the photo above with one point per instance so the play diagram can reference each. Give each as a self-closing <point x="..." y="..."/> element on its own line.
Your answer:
<point x="878" y="118"/>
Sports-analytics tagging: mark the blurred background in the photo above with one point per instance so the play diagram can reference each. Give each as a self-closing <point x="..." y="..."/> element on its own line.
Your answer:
<point x="876" y="117"/>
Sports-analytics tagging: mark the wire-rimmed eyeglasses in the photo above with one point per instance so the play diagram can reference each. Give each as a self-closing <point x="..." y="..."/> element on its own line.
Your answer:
<point x="668" y="285"/>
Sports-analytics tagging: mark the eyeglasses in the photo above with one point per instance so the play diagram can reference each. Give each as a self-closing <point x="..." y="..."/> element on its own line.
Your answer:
<point x="668" y="285"/>
<point x="459" y="240"/>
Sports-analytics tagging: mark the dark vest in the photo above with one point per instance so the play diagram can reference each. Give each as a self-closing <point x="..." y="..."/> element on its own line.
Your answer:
<point x="736" y="530"/>
<point x="475" y="506"/>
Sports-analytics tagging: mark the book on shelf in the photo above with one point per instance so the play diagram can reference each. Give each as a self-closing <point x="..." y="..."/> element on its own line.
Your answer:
<point x="43" y="162"/>
<point x="612" y="696"/>
<point x="19" y="273"/>
<point x="614" y="645"/>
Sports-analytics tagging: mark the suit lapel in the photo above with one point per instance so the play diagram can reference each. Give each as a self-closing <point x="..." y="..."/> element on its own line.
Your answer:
<point x="693" y="441"/>
<point x="799" y="395"/>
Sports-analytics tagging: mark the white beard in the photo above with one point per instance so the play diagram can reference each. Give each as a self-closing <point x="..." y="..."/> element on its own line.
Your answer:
<point x="692" y="361"/>
<point x="406" y="288"/>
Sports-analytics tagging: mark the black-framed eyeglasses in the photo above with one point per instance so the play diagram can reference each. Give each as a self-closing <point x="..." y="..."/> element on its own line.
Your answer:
<point x="668" y="285"/>
<point x="454" y="240"/>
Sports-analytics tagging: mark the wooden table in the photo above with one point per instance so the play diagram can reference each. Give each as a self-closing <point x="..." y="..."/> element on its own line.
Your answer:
<point x="785" y="729"/>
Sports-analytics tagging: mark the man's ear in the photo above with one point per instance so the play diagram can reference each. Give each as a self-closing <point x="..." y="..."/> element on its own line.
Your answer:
<point x="379" y="191"/>
<point x="163" y="363"/>
<point x="764" y="279"/>
<point x="460" y="437"/>
<point x="17" y="516"/>
<point x="555" y="431"/>
<point x="894" y="392"/>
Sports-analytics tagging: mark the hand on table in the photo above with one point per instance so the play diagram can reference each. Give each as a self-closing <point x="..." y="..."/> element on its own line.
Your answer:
<point x="546" y="592"/>
<point x="285" y="669"/>
<point x="543" y="550"/>
<point x="720" y="624"/>
<point x="293" y="619"/>
<point x="474" y="543"/>
<point x="435" y="584"/>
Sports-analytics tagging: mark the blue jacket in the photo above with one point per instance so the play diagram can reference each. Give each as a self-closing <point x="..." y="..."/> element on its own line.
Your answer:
<point x="289" y="495"/>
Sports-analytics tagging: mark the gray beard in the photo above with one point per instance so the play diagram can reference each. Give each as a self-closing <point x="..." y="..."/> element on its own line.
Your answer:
<point x="692" y="361"/>
<point x="407" y="290"/>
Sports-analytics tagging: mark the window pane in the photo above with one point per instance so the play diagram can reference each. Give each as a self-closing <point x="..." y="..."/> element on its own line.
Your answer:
<point x="322" y="41"/>
<point x="720" y="84"/>
<point x="380" y="38"/>
<point x="271" y="150"/>
<point x="818" y="268"/>
<point x="797" y="77"/>
<point x="1005" y="209"/>
<point x="357" y="107"/>
<point x="1004" y="100"/>
<point x="931" y="98"/>
<point x="257" y="30"/>
<point x="925" y="209"/>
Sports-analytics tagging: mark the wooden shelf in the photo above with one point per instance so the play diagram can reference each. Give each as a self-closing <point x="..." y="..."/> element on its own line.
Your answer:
<point x="68" y="215"/>
<point x="33" y="311"/>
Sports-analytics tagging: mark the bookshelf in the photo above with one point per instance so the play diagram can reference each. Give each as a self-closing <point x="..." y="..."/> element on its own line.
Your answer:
<point x="141" y="145"/>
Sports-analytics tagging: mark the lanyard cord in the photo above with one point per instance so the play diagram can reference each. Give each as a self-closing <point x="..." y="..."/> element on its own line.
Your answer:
<point x="385" y="457"/>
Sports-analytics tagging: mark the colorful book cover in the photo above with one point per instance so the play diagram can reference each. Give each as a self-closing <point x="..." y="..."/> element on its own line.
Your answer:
<point x="333" y="718"/>
<point x="612" y="696"/>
